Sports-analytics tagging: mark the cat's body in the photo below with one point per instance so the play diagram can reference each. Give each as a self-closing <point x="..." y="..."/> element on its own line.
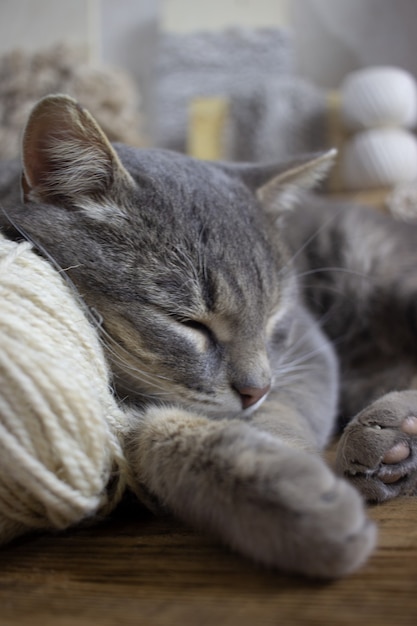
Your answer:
<point x="213" y="304"/>
<point x="358" y="275"/>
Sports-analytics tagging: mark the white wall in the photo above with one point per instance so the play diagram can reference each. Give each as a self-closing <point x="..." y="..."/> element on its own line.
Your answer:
<point x="188" y="15"/>
<point x="334" y="37"/>
<point x="129" y="38"/>
<point x="34" y="24"/>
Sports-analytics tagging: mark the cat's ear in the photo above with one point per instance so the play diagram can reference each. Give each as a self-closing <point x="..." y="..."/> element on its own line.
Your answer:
<point x="278" y="185"/>
<point x="280" y="192"/>
<point x="66" y="155"/>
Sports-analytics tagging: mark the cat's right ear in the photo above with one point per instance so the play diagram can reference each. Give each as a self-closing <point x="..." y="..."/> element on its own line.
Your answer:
<point x="66" y="155"/>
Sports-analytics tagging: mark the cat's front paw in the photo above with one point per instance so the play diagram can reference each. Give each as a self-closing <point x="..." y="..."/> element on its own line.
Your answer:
<point x="319" y="518"/>
<point x="280" y="506"/>
<point x="378" y="449"/>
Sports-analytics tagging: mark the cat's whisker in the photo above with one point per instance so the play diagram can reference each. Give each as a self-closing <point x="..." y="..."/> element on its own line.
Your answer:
<point x="70" y="267"/>
<point x="295" y="367"/>
<point x="291" y="374"/>
<point x="325" y="317"/>
<point x="150" y="396"/>
<point x="306" y="358"/>
<point x="138" y="374"/>
<point x="107" y="336"/>
<point x="201" y="258"/>
<point x="344" y="270"/>
<point x="324" y="225"/>
<point x="286" y="381"/>
<point x="184" y="258"/>
<point x="294" y="347"/>
<point x="331" y="289"/>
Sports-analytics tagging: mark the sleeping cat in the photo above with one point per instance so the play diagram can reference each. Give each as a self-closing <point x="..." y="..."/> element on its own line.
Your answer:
<point x="218" y="287"/>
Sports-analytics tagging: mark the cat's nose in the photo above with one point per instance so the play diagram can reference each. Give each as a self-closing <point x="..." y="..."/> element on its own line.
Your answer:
<point x="251" y="395"/>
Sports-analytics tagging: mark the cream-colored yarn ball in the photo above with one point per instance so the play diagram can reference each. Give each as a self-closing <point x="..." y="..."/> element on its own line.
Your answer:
<point x="60" y="455"/>
<point x="379" y="96"/>
<point x="379" y="158"/>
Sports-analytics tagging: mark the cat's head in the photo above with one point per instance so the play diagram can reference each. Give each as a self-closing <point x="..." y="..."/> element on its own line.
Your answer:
<point x="182" y="259"/>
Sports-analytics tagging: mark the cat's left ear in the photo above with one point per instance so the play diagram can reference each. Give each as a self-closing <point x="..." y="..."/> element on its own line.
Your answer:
<point x="66" y="155"/>
<point x="280" y="192"/>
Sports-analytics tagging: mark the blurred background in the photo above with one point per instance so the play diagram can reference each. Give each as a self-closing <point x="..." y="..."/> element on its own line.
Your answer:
<point x="233" y="79"/>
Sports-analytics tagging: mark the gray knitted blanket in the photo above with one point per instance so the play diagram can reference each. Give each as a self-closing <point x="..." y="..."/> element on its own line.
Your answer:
<point x="273" y="113"/>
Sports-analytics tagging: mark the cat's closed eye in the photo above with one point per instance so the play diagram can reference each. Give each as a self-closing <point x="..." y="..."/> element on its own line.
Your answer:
<point x="200" y="333"/>
<point x="198" y="327"/>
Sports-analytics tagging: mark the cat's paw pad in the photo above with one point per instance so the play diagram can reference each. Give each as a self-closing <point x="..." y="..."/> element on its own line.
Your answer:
<point x="378" y="450"/>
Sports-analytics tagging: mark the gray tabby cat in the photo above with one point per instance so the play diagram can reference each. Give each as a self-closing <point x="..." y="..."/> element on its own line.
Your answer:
<point x="216" y="297"/>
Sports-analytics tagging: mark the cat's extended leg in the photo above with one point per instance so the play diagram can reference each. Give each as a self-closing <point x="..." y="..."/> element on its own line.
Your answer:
<point x="279" y="505"/>
<point x="378" y="449"/>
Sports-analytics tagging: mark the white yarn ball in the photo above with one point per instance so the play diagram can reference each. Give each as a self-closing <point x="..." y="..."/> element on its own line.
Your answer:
<point x="379" y="96"/>
<point x="379" y="158"/>
<point x="58" y="419"/>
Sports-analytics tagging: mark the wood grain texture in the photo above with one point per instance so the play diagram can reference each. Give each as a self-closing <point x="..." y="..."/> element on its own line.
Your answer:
<point x="137" y="569"/>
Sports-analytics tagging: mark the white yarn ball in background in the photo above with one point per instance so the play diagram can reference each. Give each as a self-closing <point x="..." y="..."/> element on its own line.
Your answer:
<point x="379" y="96"/>
<point x="59" y="423"/>
<point x="379" y="158"/>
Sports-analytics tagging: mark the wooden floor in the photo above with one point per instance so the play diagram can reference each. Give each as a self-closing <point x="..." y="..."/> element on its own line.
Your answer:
<point x="135" y="569"/>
